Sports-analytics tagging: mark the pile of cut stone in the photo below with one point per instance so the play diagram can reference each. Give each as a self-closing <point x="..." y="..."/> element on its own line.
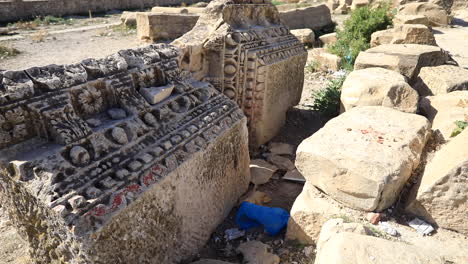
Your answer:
<point x="375" y="156"/>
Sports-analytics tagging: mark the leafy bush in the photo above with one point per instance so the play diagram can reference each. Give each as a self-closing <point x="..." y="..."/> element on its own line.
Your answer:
<point x="327" y="100"/>
<point x="461" y="125"/>
<point x="356" y="35"/>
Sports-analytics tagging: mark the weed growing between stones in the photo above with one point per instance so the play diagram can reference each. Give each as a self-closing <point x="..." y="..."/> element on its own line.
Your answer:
<point x="41" y="21"/>
<point x="277" y="3"/>
<point x="327" y="100"/>
<point x="356" y="35"/>
<point x="313" y="66"/>
<point x="461" y="125"/>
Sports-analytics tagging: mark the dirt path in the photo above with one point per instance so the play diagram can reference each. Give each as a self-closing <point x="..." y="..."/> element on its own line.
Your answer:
<point x="67" y="48"/>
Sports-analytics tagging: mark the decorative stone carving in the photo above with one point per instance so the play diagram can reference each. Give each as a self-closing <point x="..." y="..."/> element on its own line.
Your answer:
<point x="94" y="173"/>
<point x="247" y="54"/>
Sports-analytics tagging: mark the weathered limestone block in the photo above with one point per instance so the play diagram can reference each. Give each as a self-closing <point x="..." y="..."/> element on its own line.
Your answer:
<point x="245" y="52"/>
<point x="436" y="15"/>
<point x="314" y="17"/>
<point x="406" y="59"/>
<point x="257" y="252"/>
<point x="441" y="80"/>
<point x="378" y="87"/>
<point x="364" y="157"/>
<point x="442" y="196"/>
<point x="443" y="110"/>
<point x="310" y="211"/>
<point x="359" y="3"/>
<point x="305" y="35"/>
<point x="324" y="59"/>
<point x="404" y="34"/>
<point x="157" y="26"/>
<point x="129" y="18"/>
<point x="328" y="39"/>
<point x="146" y="185"/>
<point x="352" y="248"/>
<point x="411" y="19"/>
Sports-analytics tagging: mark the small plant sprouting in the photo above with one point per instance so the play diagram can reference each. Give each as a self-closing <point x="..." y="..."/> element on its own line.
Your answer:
<point x="327" y="100"/>
<point x="461" y="125"/>
<point x="6" y="51"/>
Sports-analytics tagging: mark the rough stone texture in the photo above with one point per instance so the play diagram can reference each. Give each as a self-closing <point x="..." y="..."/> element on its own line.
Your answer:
<point x="443" y="110"/>
<point x="441" y="80"/>
<point x="281" y="148"/>
<point x="147" y="188"/>
<point x="378" y="87"/>
<point x="281" y="162"/>
<point x="256" y="252"/>
<point x="436" y="15"/>
<point x="406" y="59"/>
<point x="364" y="157"/>
<point x="310" y="211"/>
<point x="352" y="248"/>
<point x="359" y="3"/>
<point x="328" y="39"/>
<point x="306" y="36"/>
<point x="442" y="196"/>
<point x="261" y="171"/>
<point x="404" y="34"/>
<point x="337" y="225"/>
<point x="245" y="52"/>
<point x="163" y="26"/>
<point x="411" y="19"/>
<point x="314" y="17"/>
<point x="325" y="60"/>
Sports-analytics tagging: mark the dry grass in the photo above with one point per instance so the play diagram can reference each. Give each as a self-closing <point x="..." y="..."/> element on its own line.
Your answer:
<point x="6" y="51"/>
<point x="39" y="36"/>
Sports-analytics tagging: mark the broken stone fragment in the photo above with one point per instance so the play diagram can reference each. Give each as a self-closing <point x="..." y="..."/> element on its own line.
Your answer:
<point x="79" y="156"/>
<point x="116" y="113"/>
<point x="261" y="171"/>
<point x="281" y="162"/>
<point x="436" y="15"/>
<point x="257" y="252"/>
<point x="155" y="95"/>
<point x="306" y="36"/>
<point x="258" y="198"/>
<point x="77" y="201"/>
<point x="444" y="110"/>
<point x="119" y="135"/>
<point x="281" y="148"/>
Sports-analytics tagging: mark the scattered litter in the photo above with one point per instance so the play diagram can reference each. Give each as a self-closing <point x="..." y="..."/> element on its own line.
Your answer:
<point x="387" y="228"/>
<point x="233" y="233"/>
<point x="252" y="215"/>
<point x="339" y="73"/>
<point x="421" y="226"/>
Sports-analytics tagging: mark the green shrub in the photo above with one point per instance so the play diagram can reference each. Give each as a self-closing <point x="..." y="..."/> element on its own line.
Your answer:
<point x="276" y="2"/>
<point x="461" y="125"/>
<point x="356" y="35"/>
<point x="327" y="100"/>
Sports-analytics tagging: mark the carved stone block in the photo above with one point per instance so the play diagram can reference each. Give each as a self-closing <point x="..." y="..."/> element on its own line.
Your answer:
<point x="93" y="173"/>
<point x="245" y="52"/>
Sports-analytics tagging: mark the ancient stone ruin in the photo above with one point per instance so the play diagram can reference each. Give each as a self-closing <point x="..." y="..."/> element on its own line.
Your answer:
<point x="120" y="160"/>
<point x="245" y="52"/>
<point x="137" y="157"/>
